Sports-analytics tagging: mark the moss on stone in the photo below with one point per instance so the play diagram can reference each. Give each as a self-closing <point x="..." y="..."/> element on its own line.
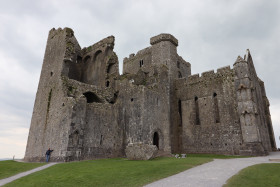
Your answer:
<point x="69" y="32"/>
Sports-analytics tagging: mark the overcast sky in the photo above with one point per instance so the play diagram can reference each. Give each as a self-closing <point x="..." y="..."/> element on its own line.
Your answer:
<point x="211" y="34"/>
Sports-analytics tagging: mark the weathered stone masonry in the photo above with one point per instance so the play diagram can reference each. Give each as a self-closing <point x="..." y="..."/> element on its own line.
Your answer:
<point x="84" y="109"/>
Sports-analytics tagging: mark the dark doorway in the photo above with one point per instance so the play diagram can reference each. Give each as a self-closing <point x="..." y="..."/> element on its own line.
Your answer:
<point x="156" y="139"/>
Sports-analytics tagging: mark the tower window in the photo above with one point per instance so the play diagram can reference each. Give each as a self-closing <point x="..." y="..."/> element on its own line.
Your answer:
<point x="180" y="112"/>
<point x="141" y="63"/>
<point x="197" y="120"/>
<point x="179" y="74"/>
<point x="216" y="108"/>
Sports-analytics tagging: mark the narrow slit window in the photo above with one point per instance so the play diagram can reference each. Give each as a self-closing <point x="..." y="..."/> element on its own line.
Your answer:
<point x="180" y="112"/>
<point x="197" y="120"/>
<point x="178" y="64"/>
<point x="179" y="74"/>
<point x="141" y="63"/>
<point x="216" y="108"/>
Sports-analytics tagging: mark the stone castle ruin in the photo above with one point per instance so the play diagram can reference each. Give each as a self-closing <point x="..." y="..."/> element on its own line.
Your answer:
<point x="85" y="109"/>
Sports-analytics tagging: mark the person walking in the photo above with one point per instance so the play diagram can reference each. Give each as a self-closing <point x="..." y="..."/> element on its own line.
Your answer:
<point x="48" y="154"/>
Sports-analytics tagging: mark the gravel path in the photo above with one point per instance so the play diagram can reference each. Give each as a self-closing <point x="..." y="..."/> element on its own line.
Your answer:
<point x="214" y="173"/>
<point x="15" y="177"/>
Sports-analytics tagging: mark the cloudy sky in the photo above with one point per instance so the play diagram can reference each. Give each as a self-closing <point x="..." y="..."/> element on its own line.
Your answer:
<point x="211" y="34"/>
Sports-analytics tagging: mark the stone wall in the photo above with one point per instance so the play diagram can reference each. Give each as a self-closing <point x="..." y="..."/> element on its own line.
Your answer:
<point x="210" y="121"/>
<point x="50" y="119"/>
<point x="252" y="107"/>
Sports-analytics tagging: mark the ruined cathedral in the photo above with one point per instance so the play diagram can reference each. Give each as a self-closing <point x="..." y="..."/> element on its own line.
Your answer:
<point x="84" y="109"/>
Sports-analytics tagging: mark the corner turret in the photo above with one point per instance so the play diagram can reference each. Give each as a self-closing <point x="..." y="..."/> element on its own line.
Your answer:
<point x="164" y="37"/>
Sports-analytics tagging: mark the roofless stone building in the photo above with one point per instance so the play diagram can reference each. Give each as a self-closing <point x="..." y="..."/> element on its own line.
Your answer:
<point x="84" y="109"/>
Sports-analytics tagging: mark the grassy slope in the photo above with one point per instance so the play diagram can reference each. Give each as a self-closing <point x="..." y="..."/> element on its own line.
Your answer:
<point x="9" y="167"/>
<point x="257" y="175"/>
<point x="109" y="172"/>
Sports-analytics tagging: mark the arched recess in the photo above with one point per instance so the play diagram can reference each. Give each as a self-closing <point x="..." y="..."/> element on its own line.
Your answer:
<point x="110" y="68"/>
<point x="160" y="143"/>
<point x="96" y="54"/>
<point x="86" y="59"/>
<point x="92" y="97"/>
<point x="75" y="138"/>
<point x="156" y="139"/>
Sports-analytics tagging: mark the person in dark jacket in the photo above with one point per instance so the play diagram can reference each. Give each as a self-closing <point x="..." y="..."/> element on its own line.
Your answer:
<point x="48" y="154"/>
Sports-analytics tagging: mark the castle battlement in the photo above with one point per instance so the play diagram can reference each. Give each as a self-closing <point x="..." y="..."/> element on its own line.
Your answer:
<point x="53" y="32"/>
<point x="140" y="53"/>
<point x="224" y="69"/>
<point x="207" y="74"/>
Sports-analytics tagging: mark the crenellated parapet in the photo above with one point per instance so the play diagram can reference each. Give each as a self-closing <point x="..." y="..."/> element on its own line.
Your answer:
<point x="210" y="75"/>
<point x="139" y="54"/>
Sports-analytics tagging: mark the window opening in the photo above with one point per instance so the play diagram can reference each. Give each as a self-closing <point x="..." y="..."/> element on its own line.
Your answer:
<point x="178" y="64"/>
<point x="180" y="111"/>
<point x="141" y="63"/>
<point x="179" y="74"/>
<point x="197" y="120"/>
<point x="107" y="83"/>
<point x="216" y="108"/>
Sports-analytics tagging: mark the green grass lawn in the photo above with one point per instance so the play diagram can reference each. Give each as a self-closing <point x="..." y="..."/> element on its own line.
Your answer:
<point x="9" y="167"/>
<point x="257" y="175"/>
<point x="109" y="172"/>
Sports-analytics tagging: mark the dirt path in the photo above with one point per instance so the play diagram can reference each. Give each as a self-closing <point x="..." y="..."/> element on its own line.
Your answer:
<point x="15" y="177"/>
<point x="214" y="173"/>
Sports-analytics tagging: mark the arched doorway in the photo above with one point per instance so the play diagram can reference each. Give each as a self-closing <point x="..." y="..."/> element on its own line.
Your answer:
<point x="156" y="139"/>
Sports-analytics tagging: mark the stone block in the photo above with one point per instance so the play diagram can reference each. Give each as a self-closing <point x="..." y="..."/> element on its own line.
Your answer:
<point x="140" y="151"/>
